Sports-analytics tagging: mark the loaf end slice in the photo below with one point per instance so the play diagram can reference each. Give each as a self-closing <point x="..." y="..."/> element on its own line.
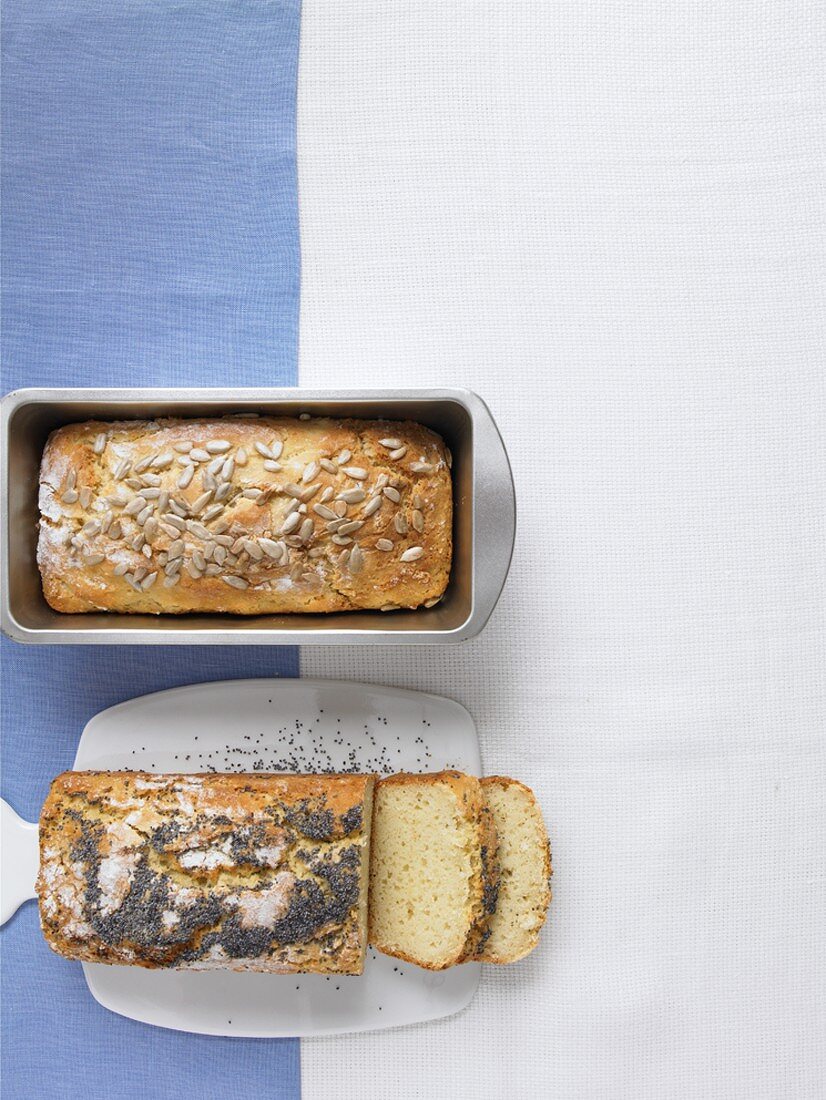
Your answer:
<point x="525" y="870"/>
<point x="427" y="873"/>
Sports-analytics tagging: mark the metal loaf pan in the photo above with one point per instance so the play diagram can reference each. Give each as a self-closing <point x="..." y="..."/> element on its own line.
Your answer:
<point x="484" y="518"/>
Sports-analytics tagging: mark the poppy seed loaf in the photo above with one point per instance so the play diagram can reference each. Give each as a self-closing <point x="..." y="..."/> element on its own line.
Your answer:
<point x="524" y="870"/>
<point x="431" y="869"/>
<point x="203" y="872"/>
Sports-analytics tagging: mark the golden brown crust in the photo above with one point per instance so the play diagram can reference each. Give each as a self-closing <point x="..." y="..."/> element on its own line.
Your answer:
<point x="541" y="903"/>
<point x="254" y="872"/>
<point x="470" y="801"/>
<point x="100" y="549"/>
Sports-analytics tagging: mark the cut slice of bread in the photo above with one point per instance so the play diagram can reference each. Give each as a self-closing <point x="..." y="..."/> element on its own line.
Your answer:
<point x="525" y="872"/>
<point x="428" y="877"/>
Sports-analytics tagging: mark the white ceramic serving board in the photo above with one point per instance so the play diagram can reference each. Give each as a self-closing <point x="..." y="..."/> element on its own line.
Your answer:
<point x="282" y="725"/>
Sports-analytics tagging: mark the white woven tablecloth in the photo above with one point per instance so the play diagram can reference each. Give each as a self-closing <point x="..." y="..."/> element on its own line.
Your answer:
<point x="607" y="218"/>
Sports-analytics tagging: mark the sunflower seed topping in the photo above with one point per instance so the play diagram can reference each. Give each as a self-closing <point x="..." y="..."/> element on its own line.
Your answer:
<point x="400" y="452"/>
<point x="171" y="580"/>
<point x="327" y="465"/>
<point x="343" y="457"/>
<point x="418" y="521"/>
<point x="218" y="446"/>
<point x="371" y="506"/>
<point x="352" y="496"/>
<point x="143" y="464"/>
<point x="272" y="466"/>
<point x="251" y="494"/>
<point x="310" y="471"/>
<point x="121" y="568"/>
<point x="384" y="544"/>
<point x="212" y="512"/>
<point x="323" y="511"/>
<point x="183" y="448"/>
<point x="186" y="477"/>
<point x="342" y="540"/>
<point x="162" y="461"/>
<point x="356" y="563"/>
<point x="70" y="496"/>
<point x="350" y="526"/>
<point x="99" y="445"/>
<point x="306" y="531"/>
<point x="235" y="582"/>
<point x="400" y="523"/>
<point x="93" y="559"/>
<point x="241" y="456"/>
<point x="147" y="582"/>
<point x="176" y="548"/>
<point x="421" y="467"/>
<point x="290" y="523"/>
<point x="198" y="454"/>
<point x="253" y="549"/>
<point x="201" y="502"/>
<point x="413" y="554"/>
<point x="121" y="469"/>
<point x="358" y="473"/>
<point x="391" y="444"/>
<point x="392" y="494"/>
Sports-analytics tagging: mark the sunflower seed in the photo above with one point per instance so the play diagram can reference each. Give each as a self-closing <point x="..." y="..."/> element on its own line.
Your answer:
<point x="176" y="548"/>
<point x="171" y="580"/>
<point x="293" y="540"/>
<point x="121" y="568"/>
<point x="149" y="494"/>
<point x="253" y="549"/>
<point x="340" y="507"/>
<point x="400" y="452"/>
<point x="143" y="464"/>
<point x="342" y="540"/>
<point x="162" y="461"/>
<point x="223" y="540"/>
<point x="70" y="496"/>
<point x="208" y="481"/>
<point x="290" y="523"/>
<point x="350" y="526"/>
<point x="271" y="549"/>
<point x="173" y="566"/>
<point x="323" y="511"/>
<point x="390" y="444"/>
<point x="400" y="523"/>
<point x="137" y="542"/>
<point x="352" y="496"/>
<point x="186" y="477"/>
<point x="311" y="491"/>
<point x="413" y="554"/>
<point x="121" y="469"/>
<point x="449" y="457"/>
<point x="421" y="467"/>
<point x="384" y="544"/>
<point x="358" y="473"/>
<point x="228" y="469"/>
<point x="327" y="465"/>
<point x="310" y="471"/>
<point x="135" y="483"/>
<point x="219" y="554"/>
<point x="418" y="521"/>
<point x="201" y="502"/>
<point x="93" y="559"/>
<point x="326" y="494"/>
<point x="194" y="571"/>
<point x="315" y="552"/>
<point x="218" y="446"/>
<point x="150" y="479"/>
<point x="198" y="454"/>
<point x="140" y="573"/>
<point x="417" y="501"/>
<point x="293" y="490"/>
<point x="173" y="524"/>
<point x="147" y="582"/>
<point x="371" y="506"/>
<point x="392" y="494"/>
<point x="212" y="512"/>
<point x="115" y="530"/>
<point x="356" y="563"/>
<point x="389" y="607"/>
<point x="183" y="448"/>
<point x="251" y="494"/>
<point x="223" y="490"/>
<point x="235" y="582"/>
<point x="216" y="465"/>
<point x="91" y="528"/>
<point x="180" y="508"/>
<point x="137" y="504"/>
<point x="293" y="506"/>
<point x="150" y="528"/>
<point x="263" y="449"/>
<point x="238" y="545"/>
<point x="241" y="457"/>
<point x="143" y="516"/>
<point x="199" y="531"/>
<point x="343" y="558"/>
<point x="99" y="445"/>
<point x="213" y="570"/>
<point x="306" y="531"/>
<point x="199" y="559"/>
<point x="303" y="416"/>
<point x="343" y="457"/>
<point x="271" y="466"/>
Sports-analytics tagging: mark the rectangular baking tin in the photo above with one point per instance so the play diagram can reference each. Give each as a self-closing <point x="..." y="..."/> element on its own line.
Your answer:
<point x="483" y="531"/>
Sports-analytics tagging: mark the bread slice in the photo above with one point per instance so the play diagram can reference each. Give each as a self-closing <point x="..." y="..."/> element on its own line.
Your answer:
<point x="428" y="880"/>
<point x="525" y="871"/>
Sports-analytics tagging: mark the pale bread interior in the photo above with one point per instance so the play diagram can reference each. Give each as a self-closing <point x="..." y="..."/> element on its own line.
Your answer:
<point x="524" y="892"/>
<point x="421" y="870"/>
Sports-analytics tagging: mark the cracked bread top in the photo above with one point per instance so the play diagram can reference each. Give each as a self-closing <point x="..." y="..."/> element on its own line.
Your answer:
<point x="243" y="872"/>
<point x="245" y="515"/>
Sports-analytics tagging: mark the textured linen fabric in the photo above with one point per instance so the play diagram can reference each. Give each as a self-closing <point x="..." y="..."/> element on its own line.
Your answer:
<point x="151" y="238"/>
<point x="609" y="220"/>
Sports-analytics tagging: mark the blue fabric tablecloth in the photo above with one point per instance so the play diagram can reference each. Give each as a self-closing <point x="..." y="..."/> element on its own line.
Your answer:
<point x="150" y="238"/>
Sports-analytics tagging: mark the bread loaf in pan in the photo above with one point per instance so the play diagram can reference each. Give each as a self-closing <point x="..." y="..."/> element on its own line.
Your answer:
<point x="242" y="872"/>
<point x="249" y="516"/>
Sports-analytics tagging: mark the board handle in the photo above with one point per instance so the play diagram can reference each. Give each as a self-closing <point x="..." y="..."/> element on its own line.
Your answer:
<point x="19" y="860"/>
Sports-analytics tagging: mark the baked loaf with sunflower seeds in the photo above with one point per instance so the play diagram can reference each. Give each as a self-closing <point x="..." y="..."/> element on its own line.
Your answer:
<point x="249" y="516"/>
<point x="202" y="872"/>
